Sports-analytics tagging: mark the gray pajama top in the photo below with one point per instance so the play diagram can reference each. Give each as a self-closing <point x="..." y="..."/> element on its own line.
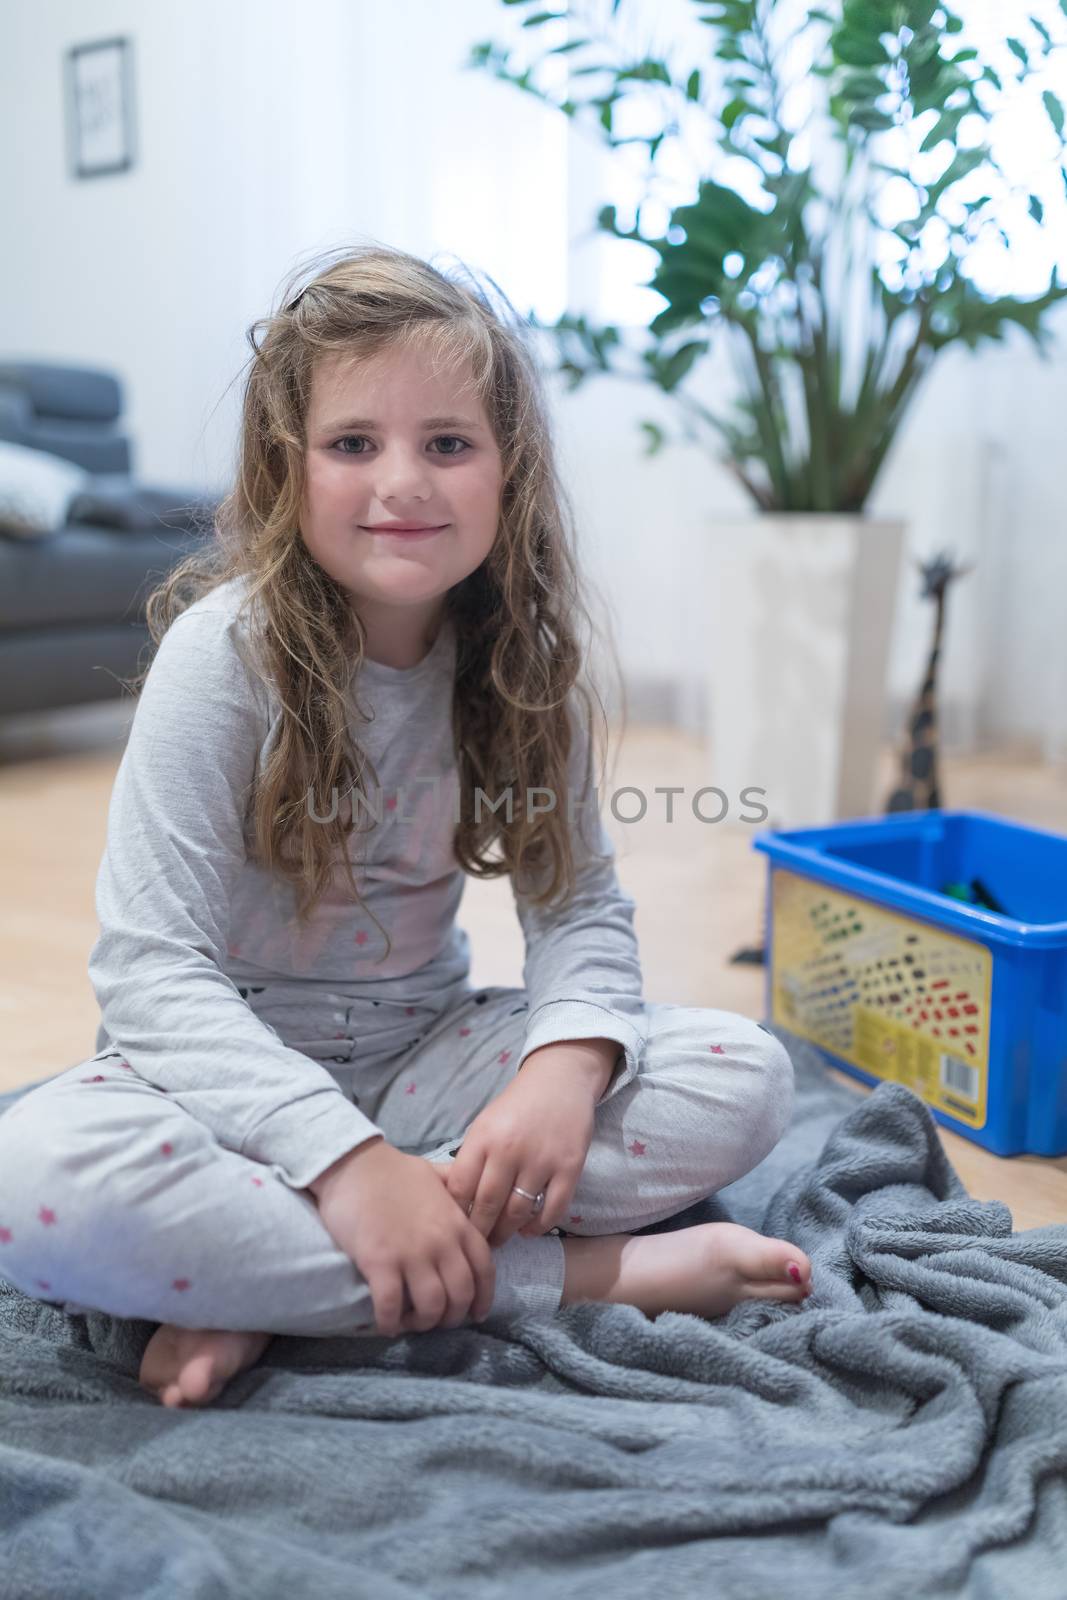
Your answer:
<point x="187" y="918"/>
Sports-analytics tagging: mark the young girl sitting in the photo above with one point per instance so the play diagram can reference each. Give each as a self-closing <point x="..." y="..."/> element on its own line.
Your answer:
<point x="302" y="1118"/>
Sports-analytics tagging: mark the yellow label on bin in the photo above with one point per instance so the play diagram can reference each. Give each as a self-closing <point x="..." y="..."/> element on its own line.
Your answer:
<point x="888" y="993"/>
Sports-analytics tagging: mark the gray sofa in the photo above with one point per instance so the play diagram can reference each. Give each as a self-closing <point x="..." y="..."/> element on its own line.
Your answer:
<point x="72" y="601"/>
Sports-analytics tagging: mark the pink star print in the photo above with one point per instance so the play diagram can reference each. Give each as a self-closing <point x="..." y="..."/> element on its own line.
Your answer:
<point x="637" y="1148"/>
<point x="409" y="1011"/>
<point x="716" y="1049"/>
<point x="361" y="937"/>
<point x="390" y="804"/>
<point x="5" y="1235"/>
<point x="258" y="1182"/>
<point x="574" y="1219"/>
<point x="166" y="1149"/>
<point x="127" y="1066"/>
<point x="97" y="1079"/>
<point x="180" y="1283"/>
<point x="504" y="1056"/>
<point x="46" y="1216"/>
<point x="42" y="1283"/>
<point x="463" y="1032"/>
<point x="410" y="1089"/>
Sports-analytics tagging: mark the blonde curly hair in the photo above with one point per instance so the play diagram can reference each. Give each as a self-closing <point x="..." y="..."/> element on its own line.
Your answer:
<point x="520" y="663"/>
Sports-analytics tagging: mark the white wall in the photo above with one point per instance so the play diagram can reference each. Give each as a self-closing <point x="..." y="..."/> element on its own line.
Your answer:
<point x="266" y="132"/>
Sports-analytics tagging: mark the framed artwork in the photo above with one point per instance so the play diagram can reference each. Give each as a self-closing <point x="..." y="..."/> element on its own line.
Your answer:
<point x="99" y="80"/>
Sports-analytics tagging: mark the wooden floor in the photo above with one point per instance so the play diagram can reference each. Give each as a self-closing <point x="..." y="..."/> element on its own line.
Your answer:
<point x="698" y="890"/>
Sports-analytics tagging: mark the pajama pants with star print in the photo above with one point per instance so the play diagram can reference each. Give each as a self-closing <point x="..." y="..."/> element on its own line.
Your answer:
<point x="114" y="1197"/>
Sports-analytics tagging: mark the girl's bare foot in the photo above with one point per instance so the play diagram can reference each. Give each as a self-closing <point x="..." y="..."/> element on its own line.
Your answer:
<point x="705" y="1270"/>
<point x="192" y="1366"/>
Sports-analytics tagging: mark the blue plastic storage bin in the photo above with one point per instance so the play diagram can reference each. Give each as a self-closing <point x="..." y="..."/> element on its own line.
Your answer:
<point x="894" y="979"/>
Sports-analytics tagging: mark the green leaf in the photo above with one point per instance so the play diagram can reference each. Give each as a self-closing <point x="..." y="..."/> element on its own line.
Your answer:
<point x="648" y="71"/>
<point x="870" y="16"/>
<point x="692" y="85"/>
<point x="862" y="86"/>
<point x="953" y="24"/>
<point x="971" y="316"/>
<point x="944" y="128"/>
<point x="923" y="47"/>
<point x="1054" y="108"/>
<point x="870" y="119"/>
<point x="960" y="167"/>
<point x="919" y="13"/>
<point x="1043" y="31"/>
<point x="734" y="13"/>
<point x="736" y="108"/>
<point x="855" y="51"/>
<point x="656" y="437"/>
<point x="675" y="367"/>
<point x="542" y="16"/>
<point x="720" y="217"/>
<point x="925" y="69"/>
<point x="1018" y="49"/>
<point x="1036" y="209"/>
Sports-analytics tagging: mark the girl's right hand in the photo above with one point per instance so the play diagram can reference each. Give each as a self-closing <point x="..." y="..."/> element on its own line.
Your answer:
<point x="394" y="1218"/>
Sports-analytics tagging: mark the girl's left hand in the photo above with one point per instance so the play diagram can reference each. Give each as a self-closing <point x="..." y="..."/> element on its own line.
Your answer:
<point x="536" y="1134"/>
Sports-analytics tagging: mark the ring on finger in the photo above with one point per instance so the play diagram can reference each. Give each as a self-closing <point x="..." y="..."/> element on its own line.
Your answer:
<point x="535" y="1197"/>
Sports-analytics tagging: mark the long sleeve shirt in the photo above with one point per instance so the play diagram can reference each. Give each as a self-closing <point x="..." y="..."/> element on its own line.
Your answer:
<point x="187" y="917"/>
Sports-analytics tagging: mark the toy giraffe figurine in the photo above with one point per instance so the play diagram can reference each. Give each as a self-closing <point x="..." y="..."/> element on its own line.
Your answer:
<point x="919" y="788"/>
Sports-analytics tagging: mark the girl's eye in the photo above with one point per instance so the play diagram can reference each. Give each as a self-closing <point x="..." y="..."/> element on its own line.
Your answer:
<point x="362" y="438"/>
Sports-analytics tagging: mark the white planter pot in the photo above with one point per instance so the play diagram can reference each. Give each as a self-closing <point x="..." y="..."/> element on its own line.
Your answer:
<point x="801" y="621"/>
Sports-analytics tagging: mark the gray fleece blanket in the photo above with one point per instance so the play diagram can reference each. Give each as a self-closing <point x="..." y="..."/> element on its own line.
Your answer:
<point x="902" y="1433"/>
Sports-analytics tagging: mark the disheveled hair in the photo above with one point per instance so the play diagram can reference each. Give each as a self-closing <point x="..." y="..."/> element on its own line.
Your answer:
<point x="523" y="624"/>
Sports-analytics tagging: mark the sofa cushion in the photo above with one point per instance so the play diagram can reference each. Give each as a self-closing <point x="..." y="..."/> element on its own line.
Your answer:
<point x="71" y="394"/>
<point x="77" y="576"/>
<point x="115" y="500"/>
<point x="36" y="490"/>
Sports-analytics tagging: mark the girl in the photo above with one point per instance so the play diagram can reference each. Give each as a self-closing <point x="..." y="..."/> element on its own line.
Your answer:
<point x="301" y="1117"/>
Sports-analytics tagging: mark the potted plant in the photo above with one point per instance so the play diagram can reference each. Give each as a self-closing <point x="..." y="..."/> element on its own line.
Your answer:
<point x="834" y="307"/>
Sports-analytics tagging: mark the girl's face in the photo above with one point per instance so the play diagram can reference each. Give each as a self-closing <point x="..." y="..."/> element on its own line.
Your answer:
<point x="372" y="456"/>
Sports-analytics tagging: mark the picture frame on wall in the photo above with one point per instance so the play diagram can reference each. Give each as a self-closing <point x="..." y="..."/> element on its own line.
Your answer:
<point x="99" y="99"/>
